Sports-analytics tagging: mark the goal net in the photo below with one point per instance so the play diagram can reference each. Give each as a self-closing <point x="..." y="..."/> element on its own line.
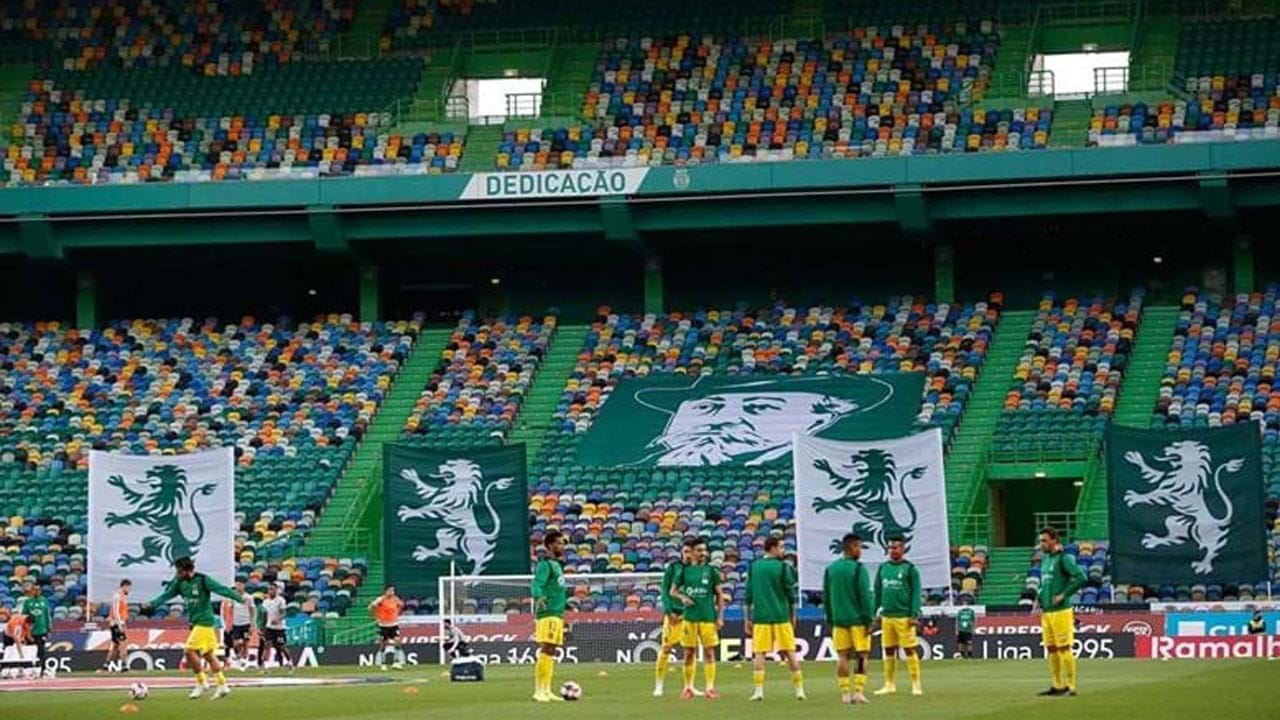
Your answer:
<point x="609" y="617"/>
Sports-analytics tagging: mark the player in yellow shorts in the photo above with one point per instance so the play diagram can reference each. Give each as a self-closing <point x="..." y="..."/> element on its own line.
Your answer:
<point x="1060" y="578"/>
<point x="849" y="607"/>
<point x="771" y="616"/>
<point x="196" y="589"/>
<point x="897" y="588"/>
<point x="698" y="587"/>
<point x="672" y="619"/>
<point x="549" y="599"/>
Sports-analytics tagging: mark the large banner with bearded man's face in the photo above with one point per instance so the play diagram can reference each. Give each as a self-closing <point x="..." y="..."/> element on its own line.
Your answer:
<point x="679" y="421"/>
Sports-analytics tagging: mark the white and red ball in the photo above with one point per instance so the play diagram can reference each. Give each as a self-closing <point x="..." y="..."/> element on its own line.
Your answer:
<point x="138" y="691"/>
<point x="571" y="691"/>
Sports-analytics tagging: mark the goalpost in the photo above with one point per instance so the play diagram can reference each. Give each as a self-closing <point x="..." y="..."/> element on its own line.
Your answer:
<point x="602" y="608"/>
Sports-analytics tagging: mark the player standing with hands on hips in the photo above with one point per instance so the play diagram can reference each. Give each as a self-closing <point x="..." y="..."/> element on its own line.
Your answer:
<point x="1060" y="578"/>
<point x="898" y="602"/>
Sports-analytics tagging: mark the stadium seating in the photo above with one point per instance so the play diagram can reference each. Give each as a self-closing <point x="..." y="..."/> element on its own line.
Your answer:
<point x="482" y="376"/>
<point x="685" y="99"/>
<point x="1224" y="85"/>
<point x="292" y="401"/>
<point x="1067" y="380"/>
<point x="1092" y="559"/>
<point x="221" y="34"/>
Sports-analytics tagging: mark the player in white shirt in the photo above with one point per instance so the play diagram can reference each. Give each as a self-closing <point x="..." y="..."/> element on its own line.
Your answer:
<point x="237" y="622"/>
<point x="273" y="629"/>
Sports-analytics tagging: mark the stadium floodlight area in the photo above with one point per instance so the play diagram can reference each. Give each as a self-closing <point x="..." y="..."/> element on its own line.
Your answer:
<point x="607" y="601"/>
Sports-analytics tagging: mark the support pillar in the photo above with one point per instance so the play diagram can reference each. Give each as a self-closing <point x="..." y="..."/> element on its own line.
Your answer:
<point x="1242" y="266"/>
<point x="653" y="300"/>
<point x="944" y="272"/>
<point x="86" y="300"/>
<point x="370" y="294"/>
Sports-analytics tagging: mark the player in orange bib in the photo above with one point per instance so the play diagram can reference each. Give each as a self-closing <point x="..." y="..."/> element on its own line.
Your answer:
<point x="117" y="620"/>
<point x="386" y="609"/>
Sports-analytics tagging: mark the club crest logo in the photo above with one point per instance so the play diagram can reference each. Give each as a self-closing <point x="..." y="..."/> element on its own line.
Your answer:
<point x="869" y="482"/>
<point x="157" y="502"/>
<point x="457" y="497"/>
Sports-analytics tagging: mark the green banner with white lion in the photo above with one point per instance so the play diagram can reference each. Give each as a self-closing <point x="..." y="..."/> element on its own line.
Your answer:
<point x="1186" y="506"/>
<point x="682" y="421"/>
<point x="462" y="509"/>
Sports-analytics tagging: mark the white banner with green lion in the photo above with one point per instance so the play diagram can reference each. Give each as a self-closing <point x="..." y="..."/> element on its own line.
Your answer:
<point x="879" y="489"/>
<point x="145" y="511"/>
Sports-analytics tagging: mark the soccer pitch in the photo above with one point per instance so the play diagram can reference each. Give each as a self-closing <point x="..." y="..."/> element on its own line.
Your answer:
<point x="954" y="689"/>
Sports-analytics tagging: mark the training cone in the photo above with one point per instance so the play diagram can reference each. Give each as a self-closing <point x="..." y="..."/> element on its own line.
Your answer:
<point x="602" y="673"/>
<point x="737" y="666"/>
<point x="128" y="708"/>
<point x="411" y="691"/>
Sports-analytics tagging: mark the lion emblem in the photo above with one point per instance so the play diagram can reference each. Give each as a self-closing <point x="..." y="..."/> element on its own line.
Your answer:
<point x="869" y="481"/>
<point x="454" y="502"/>
<point x="1184" y="486"/>
<point x="162" y="497"/>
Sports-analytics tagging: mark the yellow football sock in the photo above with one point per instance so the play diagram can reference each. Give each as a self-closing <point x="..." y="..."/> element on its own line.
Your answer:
<point x="709" y="672"/>
<point x="844" y="684"/>
<point x="220" y="678"/>
<point x="664" y="659"/>
<point x="689" y="671"/>
<point x="797" y="679"/>
<point x="913" y="668"/>
<point x="545" y="669"/>
<point x="1055" y="666"/>
<point x="859" y="682"/>
<point x="1068" y="661"/>
<point x="201" y="679"/>
<point x="890" y="669"/>
<point x="757" y="678"/>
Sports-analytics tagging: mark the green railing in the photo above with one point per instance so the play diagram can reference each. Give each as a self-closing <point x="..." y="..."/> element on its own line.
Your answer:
<point x="1067" y="523"/>
<point x="355" y="541"/>
<point x="1049" y="447"/>
<point x="970" y="529"/>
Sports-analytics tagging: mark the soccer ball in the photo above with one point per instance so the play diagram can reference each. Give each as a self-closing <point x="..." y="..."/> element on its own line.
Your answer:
<point x="138" y="691"/>
<point x="571" y="691"/>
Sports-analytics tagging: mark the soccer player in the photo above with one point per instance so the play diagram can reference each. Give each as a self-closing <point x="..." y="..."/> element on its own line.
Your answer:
<point x="964" y="632"/>
<point x="898" y="605"/>
<point x="237" y="620"/>
<point x="849" y="606"/>
<point x="1060" y="578"/>
<point x="273" y="630"/>
<point x="386" y="609"/>
<point x="673" y="615"/>
<point x="196" y="589"/>
<point x="36" y="607"/>
<point x="771" y="615"/>
<point x="549" y="597"/>
<point x="699" y="588"/>
<point x="117" y="619"/>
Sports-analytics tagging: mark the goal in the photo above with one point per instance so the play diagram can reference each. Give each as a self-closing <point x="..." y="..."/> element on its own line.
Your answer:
<point x="610" y="617"/>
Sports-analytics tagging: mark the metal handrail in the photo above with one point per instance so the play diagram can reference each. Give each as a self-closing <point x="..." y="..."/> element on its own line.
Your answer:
<point x="1067" y="523"/>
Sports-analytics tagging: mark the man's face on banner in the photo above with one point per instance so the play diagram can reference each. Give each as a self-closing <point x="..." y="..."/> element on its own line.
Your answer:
<point x="718" y="428"/>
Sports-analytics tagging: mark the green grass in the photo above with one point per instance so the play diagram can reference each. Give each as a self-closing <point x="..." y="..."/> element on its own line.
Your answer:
<point x="954" y="689"/>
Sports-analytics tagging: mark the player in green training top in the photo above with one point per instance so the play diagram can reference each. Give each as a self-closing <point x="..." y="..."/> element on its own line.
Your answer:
<point x="699" y="588"/>
<point x="898" y="604"/>
<point x="1060" y="578"/>
<point x="549" y="597"/>
<point x="36" y="607"/>
<point x="849" y="607"/>
<point x="964" y="632"/>
<point x="196" y="589"/>
<point x="672" y="616"/>
<point x="771" y="615"/>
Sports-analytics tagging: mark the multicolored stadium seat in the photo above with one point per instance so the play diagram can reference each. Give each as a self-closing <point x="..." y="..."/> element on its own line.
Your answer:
<point x="292" y="400"/>
<point x="1092" y="558"/>
<point x="1066" y="383"/>
<point x="482" y="376"/>
<point x="688" y="98"/>
<point x="1224" y="85"/>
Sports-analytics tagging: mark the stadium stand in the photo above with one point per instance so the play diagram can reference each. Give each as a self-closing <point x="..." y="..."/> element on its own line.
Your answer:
<point x="292" y="400"/>
<point x="1065" y="385"/>
<point x="1224" y="87"/>
<point x="480" y="380"/>
<point x="700" y="99"/>
<point x="1091" y="557"/>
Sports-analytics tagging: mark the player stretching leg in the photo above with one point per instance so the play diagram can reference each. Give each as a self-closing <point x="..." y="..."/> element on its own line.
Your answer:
<point x="672" y="618"/>
<point x="698" y="587"/>
<point x="117" y="619"/>
<point x="1060" y="578"/>
<point x="771" y="615"/>
<point x="549" y="598"/>
<point x="849" y="606"/>
<point x="202" y="644"/>
<point x="386" y="609"/>
<point x="898" y="603"/>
